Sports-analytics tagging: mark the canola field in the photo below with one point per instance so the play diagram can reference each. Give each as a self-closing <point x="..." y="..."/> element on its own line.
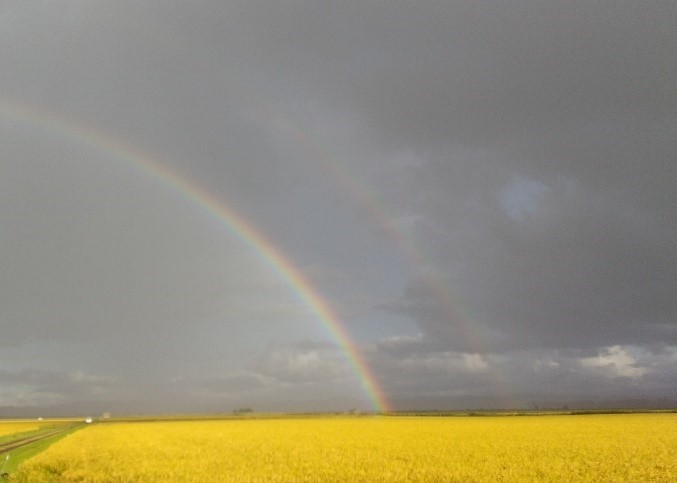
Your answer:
<point x="622" y="447"/>
<point x="12" y="427"/>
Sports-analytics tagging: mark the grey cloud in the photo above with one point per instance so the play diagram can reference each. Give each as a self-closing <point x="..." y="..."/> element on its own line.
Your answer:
<point x="579" y="269"/>
<point x="236" y="382"/>
<point x="304" y="361"/>
<point x="499" y="180"/>
<point x="523" y="378"/>
<point x="39" y="387"/>
<point x="435" y="73"/>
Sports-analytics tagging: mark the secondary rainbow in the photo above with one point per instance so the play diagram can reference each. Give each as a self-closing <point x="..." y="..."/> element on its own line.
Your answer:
<point x="116" y="147"/>
<point x="470" y="330"/>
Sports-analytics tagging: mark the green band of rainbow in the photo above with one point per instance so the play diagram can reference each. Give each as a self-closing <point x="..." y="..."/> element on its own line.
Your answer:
<point x="191" y="191"/>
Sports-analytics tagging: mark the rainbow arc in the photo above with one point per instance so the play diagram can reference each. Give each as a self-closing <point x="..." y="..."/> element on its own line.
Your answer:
<point x="244" y="229"/>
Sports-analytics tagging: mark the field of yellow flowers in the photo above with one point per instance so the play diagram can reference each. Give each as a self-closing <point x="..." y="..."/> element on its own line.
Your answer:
<point x="621" y="447"/>
<point x="12" y="427"/>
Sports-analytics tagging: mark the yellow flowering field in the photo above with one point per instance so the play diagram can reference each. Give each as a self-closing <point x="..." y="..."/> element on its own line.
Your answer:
<point x="11" y="427"/>
<point x="623" y="447"/>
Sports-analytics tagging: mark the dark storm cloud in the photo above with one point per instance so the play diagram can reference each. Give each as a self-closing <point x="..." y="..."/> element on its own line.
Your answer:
<point x="572" y="267"/>
<point x="506" y="196"/>
<point x="545" y="182"/>
<point x="575" y="99"/>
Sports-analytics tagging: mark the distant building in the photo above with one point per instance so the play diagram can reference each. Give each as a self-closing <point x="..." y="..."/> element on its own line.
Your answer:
<point x="105" y="416"/>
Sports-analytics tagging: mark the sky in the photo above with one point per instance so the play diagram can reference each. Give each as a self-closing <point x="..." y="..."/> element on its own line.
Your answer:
<point x="484" y="195"/>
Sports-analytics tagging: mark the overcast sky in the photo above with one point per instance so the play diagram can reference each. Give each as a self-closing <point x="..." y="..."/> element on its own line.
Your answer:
<point x="485" y="193"/>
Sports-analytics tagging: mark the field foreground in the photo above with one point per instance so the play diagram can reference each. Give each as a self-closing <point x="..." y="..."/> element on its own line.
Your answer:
<point x="628" y="447"/>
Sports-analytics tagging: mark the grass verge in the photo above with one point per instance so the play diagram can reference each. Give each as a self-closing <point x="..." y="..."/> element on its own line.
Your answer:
<point x="10" y="460"/>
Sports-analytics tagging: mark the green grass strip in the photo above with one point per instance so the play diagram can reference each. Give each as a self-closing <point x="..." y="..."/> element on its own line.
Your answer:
<point x="19" y="455"/>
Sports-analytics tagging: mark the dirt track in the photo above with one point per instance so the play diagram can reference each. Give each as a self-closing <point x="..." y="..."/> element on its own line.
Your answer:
<point x="18" y="443"/>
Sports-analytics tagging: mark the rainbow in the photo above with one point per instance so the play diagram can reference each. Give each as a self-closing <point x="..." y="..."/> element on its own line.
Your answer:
<point x="117" y="148"/>
<point x="474" y="334"/>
